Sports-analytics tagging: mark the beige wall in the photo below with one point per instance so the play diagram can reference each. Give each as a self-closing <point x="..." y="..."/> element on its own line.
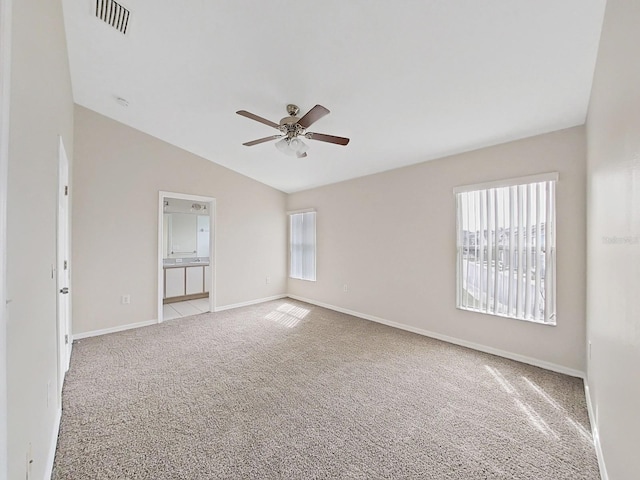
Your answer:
<point x="41" y="109"/>
<point x="391" y="238"/>
<point x="613" y="259"/>
<point x="118" y="173"/>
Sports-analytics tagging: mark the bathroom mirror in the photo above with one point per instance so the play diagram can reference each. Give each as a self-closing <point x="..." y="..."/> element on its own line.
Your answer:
<point x="186" y="230"/>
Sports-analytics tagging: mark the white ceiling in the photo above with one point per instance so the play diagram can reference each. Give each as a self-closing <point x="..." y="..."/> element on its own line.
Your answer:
<point x="406" y="81"/>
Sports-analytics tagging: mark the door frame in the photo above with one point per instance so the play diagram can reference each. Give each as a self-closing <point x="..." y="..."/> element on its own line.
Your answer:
<point x="63" y="254"/>
<point x="211" y="203"/>
<point x="5" y="79"/>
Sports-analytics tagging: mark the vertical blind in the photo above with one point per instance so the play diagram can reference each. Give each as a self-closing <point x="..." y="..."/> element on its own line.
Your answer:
<point x="302" y="241"/>
<point x="506" y="250"/>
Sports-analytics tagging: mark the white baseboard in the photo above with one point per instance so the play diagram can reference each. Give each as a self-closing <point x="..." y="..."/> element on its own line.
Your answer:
<point x="68" y="359"/>
<point x="120" y="328"/>
<point x="250" y="302"/>
<point x="594" y="432"/>
<point x="438" y="336"/>
<point x="147" y="323"/>
<point x="48" y="467"/>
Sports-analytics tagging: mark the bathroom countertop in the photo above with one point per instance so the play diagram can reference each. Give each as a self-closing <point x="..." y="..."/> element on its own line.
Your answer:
<point x="186" y="264"/>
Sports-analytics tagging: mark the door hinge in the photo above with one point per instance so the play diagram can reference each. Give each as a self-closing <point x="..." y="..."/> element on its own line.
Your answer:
<point x="65" y="264"/>
<point x="66" y="339"/>
<point x="66" y="190"/>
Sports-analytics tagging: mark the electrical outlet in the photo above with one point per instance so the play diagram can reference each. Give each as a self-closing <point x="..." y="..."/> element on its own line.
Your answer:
<point x="267" y="279"/>
<point x="126" y="299"/>
<point x="345" y="288"/>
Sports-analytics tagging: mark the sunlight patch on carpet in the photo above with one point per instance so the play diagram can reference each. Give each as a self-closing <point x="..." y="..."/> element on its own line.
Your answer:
<point x="503" y="382"/>
<point x="287" y="315"/>
<point x="535" y="419"/>
<point x="542" y="393"/>
<point x="584" y="433"/>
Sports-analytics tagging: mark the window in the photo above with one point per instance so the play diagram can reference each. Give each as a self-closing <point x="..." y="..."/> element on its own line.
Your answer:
<point x="506" y="260"/>
<point x="302" y="245"/>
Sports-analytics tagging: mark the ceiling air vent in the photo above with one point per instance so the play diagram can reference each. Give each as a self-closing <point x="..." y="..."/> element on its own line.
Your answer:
<point x="113" y="13"/>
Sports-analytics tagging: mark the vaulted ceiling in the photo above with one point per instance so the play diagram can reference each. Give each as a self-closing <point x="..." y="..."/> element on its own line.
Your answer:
<point x="406" y="81"/>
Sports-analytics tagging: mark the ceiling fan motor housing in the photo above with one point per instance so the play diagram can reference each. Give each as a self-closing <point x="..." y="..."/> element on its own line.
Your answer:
<point x="290" y="127"/>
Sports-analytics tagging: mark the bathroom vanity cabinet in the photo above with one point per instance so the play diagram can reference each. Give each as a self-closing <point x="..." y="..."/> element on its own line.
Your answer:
<point x="186" y="282"/>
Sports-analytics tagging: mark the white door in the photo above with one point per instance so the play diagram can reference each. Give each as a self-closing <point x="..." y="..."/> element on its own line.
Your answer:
<point x="63" y="266"/>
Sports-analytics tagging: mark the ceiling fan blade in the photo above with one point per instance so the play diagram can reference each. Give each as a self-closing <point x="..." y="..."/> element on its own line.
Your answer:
<point x="327" y="138"/>
<point x="255" y="117"/>
<point x="262" y="140"/>
<point x="313" y="115"/>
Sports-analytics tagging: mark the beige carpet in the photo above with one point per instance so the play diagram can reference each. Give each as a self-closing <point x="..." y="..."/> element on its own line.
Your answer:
<point x="286" y="390"/>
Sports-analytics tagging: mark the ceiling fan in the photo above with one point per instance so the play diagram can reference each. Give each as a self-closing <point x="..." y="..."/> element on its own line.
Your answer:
<point x="292" y="127"/>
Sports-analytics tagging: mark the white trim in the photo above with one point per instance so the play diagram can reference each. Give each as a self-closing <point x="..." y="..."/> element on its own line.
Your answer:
<point x="594" y="433"/>
<point x="119" y="328"/>
<point x="304" y="210"/>
<point x="503" y="315"/>
<point x="160" y="259"/>
<point x="63" y="254"/>
<point x="509" y="182"/>
<point x="5" y="79"/>
<point x="250" y="302"/>
<point x="51" y="456"/>
<point x="212" y="245"/>
<point x="456" y="341"/>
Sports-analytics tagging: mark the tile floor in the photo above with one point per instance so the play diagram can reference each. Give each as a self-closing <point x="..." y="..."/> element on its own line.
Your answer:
<point x="184" y="309"/>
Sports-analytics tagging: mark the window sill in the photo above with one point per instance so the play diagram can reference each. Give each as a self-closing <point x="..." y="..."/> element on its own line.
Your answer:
<point x="537" y="322"/>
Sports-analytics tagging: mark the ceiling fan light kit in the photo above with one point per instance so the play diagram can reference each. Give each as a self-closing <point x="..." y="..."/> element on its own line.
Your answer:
<point x="293" y="146"/>
<point x="292" y="128"/>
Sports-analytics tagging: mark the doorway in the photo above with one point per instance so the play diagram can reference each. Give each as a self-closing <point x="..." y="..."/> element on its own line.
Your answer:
<point x="186" y="255"/>
<point x="63" y="269"/>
